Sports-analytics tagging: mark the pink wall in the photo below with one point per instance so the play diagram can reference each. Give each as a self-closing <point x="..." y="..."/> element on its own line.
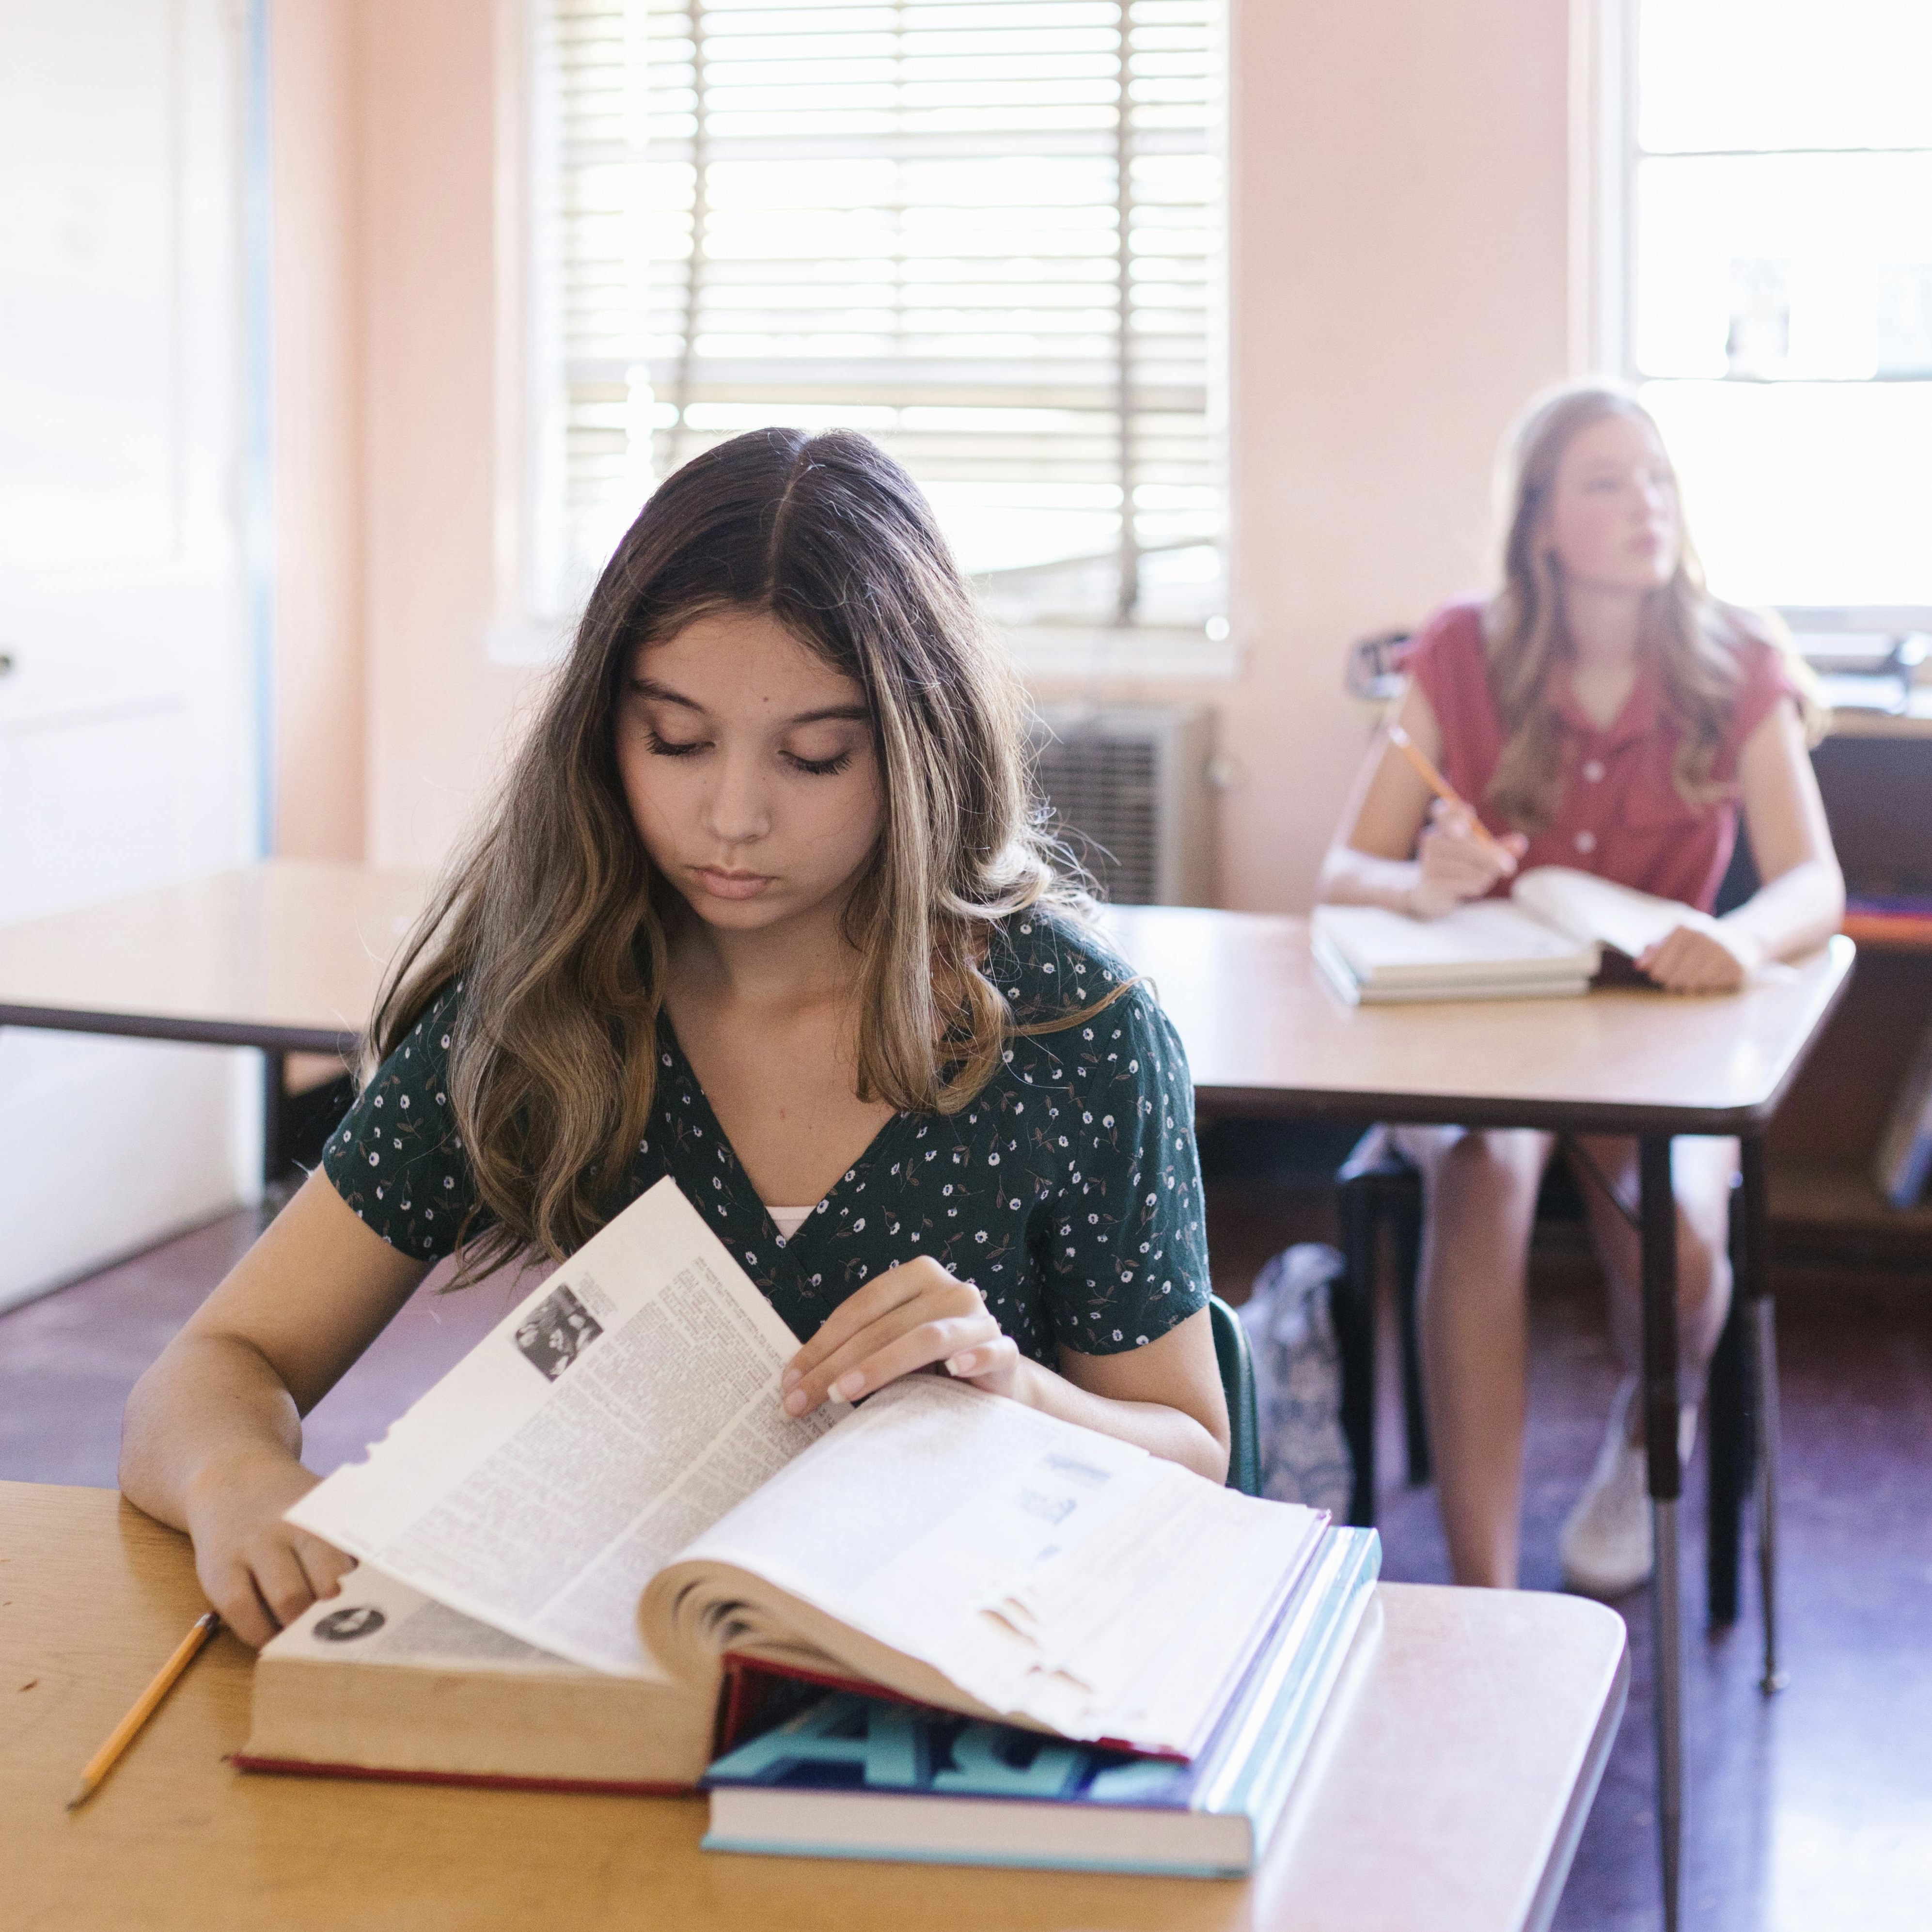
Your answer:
<point x="1400" y="287"/>
<point x="440" y="714"/>
<point x="320" y="694"/>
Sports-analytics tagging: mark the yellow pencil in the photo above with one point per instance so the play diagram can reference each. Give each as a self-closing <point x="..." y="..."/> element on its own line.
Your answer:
<point x="1438" y="785"/>
<point x="103" y="1760"/>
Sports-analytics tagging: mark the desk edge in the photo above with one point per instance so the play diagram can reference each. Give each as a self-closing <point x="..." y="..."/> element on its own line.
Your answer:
<point x="271" y="1036"/>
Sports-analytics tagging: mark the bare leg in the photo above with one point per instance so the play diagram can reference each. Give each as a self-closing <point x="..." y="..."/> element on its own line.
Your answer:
<point x="1701" y="1171"/>
<point x="1479" y="1199"/>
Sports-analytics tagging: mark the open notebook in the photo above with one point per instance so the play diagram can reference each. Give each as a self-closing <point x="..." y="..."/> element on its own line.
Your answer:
<point x="607" y="1482"/>
<point x="1547" y="939"/>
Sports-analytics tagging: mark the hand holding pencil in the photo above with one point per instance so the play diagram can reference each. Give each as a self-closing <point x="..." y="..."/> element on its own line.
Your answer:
<point x="1458" y="858"/>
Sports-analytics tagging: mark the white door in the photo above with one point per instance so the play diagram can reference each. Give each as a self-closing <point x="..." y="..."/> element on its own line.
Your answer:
<point x="126" y="696"/>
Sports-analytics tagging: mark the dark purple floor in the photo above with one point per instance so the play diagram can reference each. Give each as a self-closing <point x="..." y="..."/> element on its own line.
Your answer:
<point x="1806" y="1812"/>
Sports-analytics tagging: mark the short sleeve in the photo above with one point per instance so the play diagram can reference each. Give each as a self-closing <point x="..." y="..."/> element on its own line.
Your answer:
<point x="1450" y="665"/>
<point x="1129" y="1255"/>
<point x="395" y="1158"/>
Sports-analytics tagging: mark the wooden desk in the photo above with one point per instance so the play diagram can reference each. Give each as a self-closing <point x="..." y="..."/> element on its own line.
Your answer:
<point x="1266" y="1035"/>
<point x="1446" y="1789"/>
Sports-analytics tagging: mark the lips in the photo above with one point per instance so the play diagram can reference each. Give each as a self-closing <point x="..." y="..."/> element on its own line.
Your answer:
<point x="727" y="885"/>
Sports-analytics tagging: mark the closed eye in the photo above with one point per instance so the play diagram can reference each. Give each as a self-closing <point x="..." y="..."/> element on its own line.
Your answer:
<point x="820" y="768"/>
<point x="672" y="747"/>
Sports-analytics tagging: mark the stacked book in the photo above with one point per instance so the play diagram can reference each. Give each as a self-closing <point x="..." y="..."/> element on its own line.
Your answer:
<point x="941" y="1625"/>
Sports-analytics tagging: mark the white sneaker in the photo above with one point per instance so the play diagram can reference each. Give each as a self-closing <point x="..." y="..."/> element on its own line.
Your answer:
<point x="1605" y="1543"/>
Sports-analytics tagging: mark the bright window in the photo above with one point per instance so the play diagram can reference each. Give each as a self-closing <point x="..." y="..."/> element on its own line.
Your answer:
<point x="1777" y="168"/>
<point x="987" y="233"/>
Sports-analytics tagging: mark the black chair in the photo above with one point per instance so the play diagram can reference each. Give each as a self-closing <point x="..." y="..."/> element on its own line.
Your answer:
<point x="1378" y="1187"/>
<point x="1237" y="1383"/>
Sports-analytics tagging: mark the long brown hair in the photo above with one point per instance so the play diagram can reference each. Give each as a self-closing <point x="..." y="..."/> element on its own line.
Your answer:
<point x="1695" y="640"/>
<point x="552" y="919"/>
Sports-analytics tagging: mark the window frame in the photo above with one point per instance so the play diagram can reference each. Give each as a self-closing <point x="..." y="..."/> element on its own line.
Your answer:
<point x="1606" y="157"/>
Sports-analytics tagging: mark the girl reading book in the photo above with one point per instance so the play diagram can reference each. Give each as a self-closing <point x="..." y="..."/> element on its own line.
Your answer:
<point x="762" y="906"/>
<point x="1602" y="712"/>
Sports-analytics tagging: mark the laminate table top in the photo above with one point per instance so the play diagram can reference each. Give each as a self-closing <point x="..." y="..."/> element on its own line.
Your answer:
<point x="1444" y="1792"/>
<point x="1265" y="1033"/>
<point x="285" y="955"/>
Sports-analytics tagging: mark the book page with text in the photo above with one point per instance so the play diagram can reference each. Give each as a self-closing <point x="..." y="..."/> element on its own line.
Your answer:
<point x="619" y="1411"/>
<point x="1052" y="1575"/>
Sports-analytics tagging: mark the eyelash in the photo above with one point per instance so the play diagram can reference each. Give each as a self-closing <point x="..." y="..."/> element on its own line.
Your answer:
<point x="666" y="748"/>
<point x="818" y="768"/>
<point x="822" y="768"/>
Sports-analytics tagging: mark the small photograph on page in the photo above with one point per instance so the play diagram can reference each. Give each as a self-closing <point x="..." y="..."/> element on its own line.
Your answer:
<point x="556" y="1331"/>
<point x="344" y="1626"/>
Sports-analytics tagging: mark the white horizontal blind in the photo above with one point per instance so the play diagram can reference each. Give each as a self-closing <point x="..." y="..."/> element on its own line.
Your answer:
<point x="987" y="233"/>
<point x="1778" y="178"/>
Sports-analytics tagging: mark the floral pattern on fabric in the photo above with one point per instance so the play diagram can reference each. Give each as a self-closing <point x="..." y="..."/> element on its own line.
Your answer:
<point x="1069" y="1192"/>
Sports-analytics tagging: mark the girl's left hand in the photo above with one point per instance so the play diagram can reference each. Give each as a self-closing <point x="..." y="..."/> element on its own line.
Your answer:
<point x="1701" y="959"/>
<point x="909" y="1317"/>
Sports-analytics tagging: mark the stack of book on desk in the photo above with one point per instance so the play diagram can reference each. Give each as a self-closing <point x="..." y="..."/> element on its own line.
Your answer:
<point x="1546" y="940"/>
<point x="941" y="1625"/>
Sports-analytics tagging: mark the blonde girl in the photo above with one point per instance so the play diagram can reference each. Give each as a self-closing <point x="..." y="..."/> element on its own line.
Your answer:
<point x="1600" y="711"/>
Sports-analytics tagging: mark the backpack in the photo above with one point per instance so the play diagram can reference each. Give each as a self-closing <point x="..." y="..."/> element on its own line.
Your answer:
<point x="1304" y="1455"/>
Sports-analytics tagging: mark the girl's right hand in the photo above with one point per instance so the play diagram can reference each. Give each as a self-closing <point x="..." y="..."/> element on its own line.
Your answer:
<point x="1454" y="865"/>
<point x="259" y="1572"/>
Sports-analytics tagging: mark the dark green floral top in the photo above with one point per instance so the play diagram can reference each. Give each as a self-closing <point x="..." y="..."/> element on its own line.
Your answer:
<point x="1069" y="1193"/>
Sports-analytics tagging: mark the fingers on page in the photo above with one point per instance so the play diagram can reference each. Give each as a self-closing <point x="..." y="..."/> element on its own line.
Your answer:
<point x="234" y="1593"/>
<point x="847" y="1320"/>
<point x="884" y="1353"/>
<point x="285" y="1588"/>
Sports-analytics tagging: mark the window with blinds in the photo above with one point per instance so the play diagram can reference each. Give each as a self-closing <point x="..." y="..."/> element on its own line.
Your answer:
<point x="988" y="233"/>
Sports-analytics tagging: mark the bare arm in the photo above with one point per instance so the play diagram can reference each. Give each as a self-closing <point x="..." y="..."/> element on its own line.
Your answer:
<point x="1801" y="902"/>
<point x="1398" y="845"/>
<point x="1165" y="1395"/>
<point x="211" y="1440"/>
<point x="1802" y="899"/>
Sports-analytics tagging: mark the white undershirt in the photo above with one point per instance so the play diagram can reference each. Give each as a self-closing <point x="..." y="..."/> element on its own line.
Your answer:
<point x="788" y="1220"/>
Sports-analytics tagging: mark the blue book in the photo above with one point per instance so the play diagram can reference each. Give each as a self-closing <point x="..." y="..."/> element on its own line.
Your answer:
<point x="847" y="1776"/>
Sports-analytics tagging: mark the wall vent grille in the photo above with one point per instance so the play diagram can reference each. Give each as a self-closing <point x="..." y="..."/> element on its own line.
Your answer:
<point x="1127" y="791"/>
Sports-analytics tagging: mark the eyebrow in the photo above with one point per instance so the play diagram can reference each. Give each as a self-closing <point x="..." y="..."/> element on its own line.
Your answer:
<point x="649" y="687"/>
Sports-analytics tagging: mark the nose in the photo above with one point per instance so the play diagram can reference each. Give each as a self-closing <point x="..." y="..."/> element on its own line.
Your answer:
<point x="737" y="810"/>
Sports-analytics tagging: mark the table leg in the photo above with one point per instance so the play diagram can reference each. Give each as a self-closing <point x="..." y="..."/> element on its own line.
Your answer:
<point x="1764" y="1338"/>
<point x="1658" y="1214"/>
<point x="1353" y="1314"/>
<point x="1728" y="1426"/>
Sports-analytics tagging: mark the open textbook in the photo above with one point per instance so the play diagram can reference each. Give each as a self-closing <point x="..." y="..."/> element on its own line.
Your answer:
<point x="609" y="1479"/>
<point x="1546" y="940"/>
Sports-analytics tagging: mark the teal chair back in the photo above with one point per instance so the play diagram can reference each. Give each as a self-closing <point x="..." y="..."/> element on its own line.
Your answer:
<point x="1237" y="1384"/>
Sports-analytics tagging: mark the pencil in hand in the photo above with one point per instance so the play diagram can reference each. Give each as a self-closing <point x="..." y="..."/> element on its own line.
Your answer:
<point x="123" y="1734"/>
<point x="1441" y="787"/>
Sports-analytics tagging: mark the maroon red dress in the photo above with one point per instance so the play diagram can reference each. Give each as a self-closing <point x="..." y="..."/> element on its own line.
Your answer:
<point x="1620" y="815"/>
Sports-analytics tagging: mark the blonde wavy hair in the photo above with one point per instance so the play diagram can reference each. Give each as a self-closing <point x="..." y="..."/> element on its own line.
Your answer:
<point x="1695" y="640"/>
<point x="553" y="917"/>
